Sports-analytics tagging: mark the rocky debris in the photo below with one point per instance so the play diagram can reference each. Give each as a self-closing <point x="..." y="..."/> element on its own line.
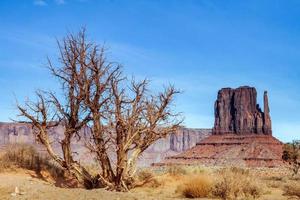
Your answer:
<point x="17" y="192"/>
<point x="237" y="112"/>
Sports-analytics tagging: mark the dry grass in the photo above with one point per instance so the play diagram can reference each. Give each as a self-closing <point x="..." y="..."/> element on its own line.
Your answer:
<point x="4" y="191"/>
<point x="239" y="184"/>
<point x="20" y="156"/>
<point x="235" y="184"/>
<point x="147" y="178"/>
<point x="26" y="157"/>
<point x="145" y="175"/>
<point x="274" y="184"/>
<point x="197" y="187"/>
<point x="292" y="189"/>
<point x="176" y="171"/>
<point x="227" y="184"/>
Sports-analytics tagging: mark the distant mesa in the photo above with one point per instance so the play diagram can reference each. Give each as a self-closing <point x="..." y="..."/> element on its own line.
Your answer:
<point x="241" y="136"/>
<point x="183" y="139"/>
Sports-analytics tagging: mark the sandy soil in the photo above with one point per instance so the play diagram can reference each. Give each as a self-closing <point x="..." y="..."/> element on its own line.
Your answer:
<point x="34" y="188"/>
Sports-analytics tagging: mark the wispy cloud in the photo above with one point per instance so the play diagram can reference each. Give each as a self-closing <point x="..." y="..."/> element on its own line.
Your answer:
<point x="28" y="39"/>
<point x="45" y="3"/>
<point x="60" y="2"/>
<point x="40" y="3"/>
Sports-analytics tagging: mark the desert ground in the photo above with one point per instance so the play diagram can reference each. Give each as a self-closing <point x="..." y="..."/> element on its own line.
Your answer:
<point x="26" y="174"/>
<point x="167" y="183"/>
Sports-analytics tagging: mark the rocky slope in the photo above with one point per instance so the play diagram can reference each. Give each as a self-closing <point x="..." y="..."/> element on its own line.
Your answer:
<point x="232" y="150"/>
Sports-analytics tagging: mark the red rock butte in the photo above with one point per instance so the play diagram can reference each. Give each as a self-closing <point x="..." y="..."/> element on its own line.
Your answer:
<point x="241" y="136"/>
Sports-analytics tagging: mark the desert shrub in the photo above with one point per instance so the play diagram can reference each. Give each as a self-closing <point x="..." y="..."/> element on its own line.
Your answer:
<point x="23" y="156"/>
<point x="153" y="183"/>
<point x="252" y="190"/>
<point x="54" y="169"/>
<point x="240" y="171"/>
<point x="197" y="187"/>
<point x="26" y="157"/>
<point x="236" y="183"/>
<point x="274" y="184"/>
<point x="176" y="170"/>
<point x="291" y="154"/>
<point x="292" y="189"/>
<point x="147" y="178"/>
<point x="145" y="175"/>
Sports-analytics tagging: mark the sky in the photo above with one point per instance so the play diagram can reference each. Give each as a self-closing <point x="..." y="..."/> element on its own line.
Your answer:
<point x="199" y="46"/>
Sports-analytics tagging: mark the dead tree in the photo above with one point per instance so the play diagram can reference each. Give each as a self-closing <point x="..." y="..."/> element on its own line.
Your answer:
<point x="124" y="117"/>
<point x="68" y="110"/>
<point x="134" y="119"/>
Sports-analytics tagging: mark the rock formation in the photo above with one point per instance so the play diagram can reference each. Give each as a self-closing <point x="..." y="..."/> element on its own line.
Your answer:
<point x="232" y="150"/>
<point x="241" y="136"/>
<point x="237" y="112"/>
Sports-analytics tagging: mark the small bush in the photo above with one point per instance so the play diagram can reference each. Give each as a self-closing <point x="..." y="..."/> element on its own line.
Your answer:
<point x="292" y="189"/>
<point x="236" y="183"/>
<point x="197" y="187"/>
<point x="252" y="190"/>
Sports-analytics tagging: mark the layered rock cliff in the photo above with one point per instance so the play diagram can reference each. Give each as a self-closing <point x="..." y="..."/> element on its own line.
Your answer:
<point x="182" y="140"/>
<point x="237" y="112"/>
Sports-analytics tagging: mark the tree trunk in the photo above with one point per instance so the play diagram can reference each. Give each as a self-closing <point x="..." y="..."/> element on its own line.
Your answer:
<point x="104" y="161"/>
<point x="131" y="164"/>
<point x="84" y="177"/>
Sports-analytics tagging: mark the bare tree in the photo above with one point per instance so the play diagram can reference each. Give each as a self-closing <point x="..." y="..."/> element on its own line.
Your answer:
<point x="134" y="120"/>
<point x="124" y="119"/>
<point x="76" y="57"/>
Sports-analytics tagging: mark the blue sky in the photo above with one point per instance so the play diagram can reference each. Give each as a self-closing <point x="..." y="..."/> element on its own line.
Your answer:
<point x="200" y="46"/>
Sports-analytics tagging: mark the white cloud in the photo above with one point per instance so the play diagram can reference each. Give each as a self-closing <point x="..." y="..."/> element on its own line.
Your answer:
<point x="40" y="3"/>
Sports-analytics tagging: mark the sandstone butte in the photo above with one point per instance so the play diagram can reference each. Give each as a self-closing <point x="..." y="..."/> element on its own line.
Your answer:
<point x="241" y="136"/>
